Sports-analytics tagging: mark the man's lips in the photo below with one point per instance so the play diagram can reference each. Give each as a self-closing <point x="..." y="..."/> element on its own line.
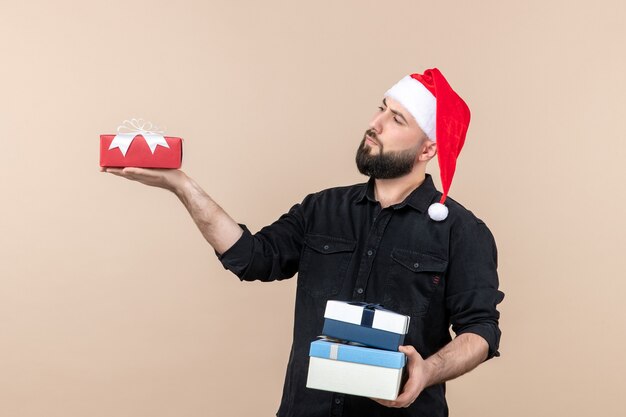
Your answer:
<point x="371" y="140"/>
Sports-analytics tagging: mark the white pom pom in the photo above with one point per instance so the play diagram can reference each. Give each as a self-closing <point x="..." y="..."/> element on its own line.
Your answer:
<point x="438" y="212"/>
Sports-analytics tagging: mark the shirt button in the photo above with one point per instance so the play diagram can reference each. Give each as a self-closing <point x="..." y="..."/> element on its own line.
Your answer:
<point x="337" y="400"/>
<point x="416" y="265"/>
<point x="326" y="247"/>
<point x="359" y="290"/>
<point x="370" y="252"/>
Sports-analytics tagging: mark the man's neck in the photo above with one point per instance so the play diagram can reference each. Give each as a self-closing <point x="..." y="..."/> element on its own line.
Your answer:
<point x="394" y="191"/>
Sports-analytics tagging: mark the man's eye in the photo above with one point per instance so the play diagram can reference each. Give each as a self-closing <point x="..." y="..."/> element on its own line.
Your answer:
<point x="396" y="119"/>
<point x="380" y="108"/>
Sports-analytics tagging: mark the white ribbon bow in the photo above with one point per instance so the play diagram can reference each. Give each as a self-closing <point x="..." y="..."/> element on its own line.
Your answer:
<point x="129" y="129"/>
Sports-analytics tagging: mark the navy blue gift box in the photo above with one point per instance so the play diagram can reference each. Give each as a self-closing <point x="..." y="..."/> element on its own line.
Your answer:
<point x="368" y="324"/>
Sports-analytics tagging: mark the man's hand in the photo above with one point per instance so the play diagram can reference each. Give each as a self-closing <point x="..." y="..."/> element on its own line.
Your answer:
<point x="419" y="376"/>
<point x="169" y="179"/>
<point x="461" y="355"/>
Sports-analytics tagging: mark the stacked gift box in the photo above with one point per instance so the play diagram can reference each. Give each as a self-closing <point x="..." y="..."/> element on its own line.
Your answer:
<point x="358" y="353"/>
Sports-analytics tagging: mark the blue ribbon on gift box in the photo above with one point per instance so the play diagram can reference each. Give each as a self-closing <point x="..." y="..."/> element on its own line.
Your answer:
<point x="367" y="319"/>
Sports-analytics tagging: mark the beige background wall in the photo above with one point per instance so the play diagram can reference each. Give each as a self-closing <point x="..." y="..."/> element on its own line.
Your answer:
<point x="112" y="304"/>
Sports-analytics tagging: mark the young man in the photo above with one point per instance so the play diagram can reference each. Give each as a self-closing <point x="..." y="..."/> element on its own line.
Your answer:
<point x="390" y="241"/>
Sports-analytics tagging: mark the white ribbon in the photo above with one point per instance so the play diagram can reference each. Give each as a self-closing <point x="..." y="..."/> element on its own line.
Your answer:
<point x="334" y="352"/>
<point x="129" y="129"/>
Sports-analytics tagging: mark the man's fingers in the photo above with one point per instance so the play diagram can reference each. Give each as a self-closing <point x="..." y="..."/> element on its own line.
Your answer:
<point x="135" y="174"/>
<point x="404" y="399"/>
<point x="115" y="171"/>
<point x="126" y="170"/>
<point x="130" y="172"/>
<point x="125" y="173"/>
<point x="137" y="171"/>
<point x="408" y="350"/>
<point x="386" y="403"/>
<point x="154" y="177"/>
<point x="398" y="403"/>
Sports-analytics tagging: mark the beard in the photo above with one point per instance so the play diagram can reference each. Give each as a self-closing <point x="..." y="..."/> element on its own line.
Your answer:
<point x="384" y="165"/>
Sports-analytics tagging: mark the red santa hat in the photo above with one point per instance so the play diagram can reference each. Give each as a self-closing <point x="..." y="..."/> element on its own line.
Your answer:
<point x="442" y="115"/>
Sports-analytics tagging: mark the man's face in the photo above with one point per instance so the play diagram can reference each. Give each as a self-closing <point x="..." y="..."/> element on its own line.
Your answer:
<point x="391" y="145"/>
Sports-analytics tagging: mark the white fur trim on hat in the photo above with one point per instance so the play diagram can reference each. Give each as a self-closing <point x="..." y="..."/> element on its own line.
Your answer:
<point x="418" y="101"/>
<point x="438" y="212"/>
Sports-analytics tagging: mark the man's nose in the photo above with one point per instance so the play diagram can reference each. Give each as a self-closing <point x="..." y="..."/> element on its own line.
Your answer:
<point x="376" y="122"/>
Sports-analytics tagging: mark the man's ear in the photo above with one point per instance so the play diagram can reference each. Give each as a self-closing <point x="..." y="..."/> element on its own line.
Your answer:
<point x="428" y="151"/>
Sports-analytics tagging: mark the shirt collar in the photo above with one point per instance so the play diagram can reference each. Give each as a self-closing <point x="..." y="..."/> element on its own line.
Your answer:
<point x="419" y="199"/>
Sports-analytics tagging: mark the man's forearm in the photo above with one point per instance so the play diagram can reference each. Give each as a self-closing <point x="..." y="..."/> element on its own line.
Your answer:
<point x="458" y="357"/>
<point x="217" y="227"/>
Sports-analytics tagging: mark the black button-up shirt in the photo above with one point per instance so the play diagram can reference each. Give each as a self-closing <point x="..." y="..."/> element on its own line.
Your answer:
<point x="346" y="247"/>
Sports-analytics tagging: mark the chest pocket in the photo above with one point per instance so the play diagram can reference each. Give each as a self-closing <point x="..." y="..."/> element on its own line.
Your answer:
<point x="324" y="264"/>
<point x="412" y="280"/>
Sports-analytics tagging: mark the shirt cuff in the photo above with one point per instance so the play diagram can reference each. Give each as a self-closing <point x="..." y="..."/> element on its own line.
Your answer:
<point x="237" y="258"/>
<point x="487" y="332"/>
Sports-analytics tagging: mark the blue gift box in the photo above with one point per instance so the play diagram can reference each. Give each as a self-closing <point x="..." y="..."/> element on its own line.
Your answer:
<point x="355" y="370"/>
<point x="369" y="324"/>
<point x="357" y="354"/>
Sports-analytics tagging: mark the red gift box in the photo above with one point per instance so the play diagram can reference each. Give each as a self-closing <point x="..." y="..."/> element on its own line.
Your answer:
<point x="147" y="151"/>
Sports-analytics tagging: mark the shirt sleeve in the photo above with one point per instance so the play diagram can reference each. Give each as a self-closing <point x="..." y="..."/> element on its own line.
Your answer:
<point x="271" y="254"/>
<point x="472" y="292"/>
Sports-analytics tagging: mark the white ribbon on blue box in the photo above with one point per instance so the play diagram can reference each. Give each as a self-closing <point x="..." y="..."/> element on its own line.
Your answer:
<point x="355" y="370"/>
<point x="369" y="324"/>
